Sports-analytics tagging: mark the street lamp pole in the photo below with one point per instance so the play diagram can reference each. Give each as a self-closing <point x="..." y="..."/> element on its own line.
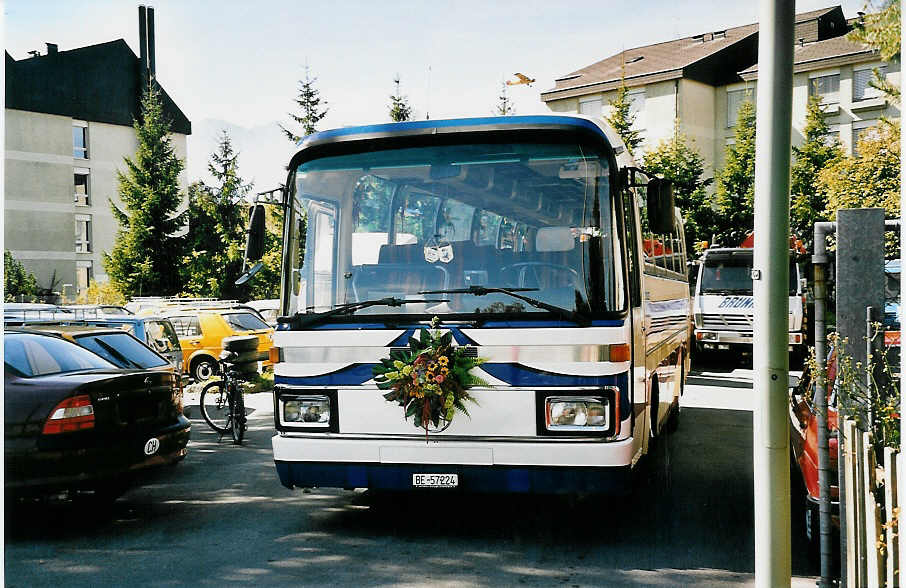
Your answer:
<point x="770" y="280"/>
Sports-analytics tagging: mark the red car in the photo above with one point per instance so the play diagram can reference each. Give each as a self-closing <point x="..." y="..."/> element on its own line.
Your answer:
<point x="804" y="446"/>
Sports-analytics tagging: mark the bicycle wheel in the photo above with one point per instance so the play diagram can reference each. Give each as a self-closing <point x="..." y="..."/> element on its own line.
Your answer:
<point x="237" y="424"/>
<point x="215" y="406"/>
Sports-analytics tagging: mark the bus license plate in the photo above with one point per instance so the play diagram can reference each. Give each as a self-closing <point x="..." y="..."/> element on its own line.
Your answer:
<point x="435" y="480"/>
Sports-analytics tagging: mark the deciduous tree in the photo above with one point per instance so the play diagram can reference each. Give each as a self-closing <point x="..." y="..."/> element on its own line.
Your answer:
<point x="680" y="162"/>
<point x="871" y="179"/>
<point x="881" y="31"/>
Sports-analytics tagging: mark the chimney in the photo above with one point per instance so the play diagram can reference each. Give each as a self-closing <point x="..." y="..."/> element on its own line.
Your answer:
<point x="52" y="48"/>
<point x="151" y="60"/>
<point x="143" y="46"/>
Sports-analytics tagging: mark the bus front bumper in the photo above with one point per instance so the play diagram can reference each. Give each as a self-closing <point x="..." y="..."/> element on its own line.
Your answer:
<point x="509" y="467"/>
<point x="723" y="339"/>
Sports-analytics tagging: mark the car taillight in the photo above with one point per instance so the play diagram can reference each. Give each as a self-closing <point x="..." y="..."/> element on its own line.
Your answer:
<point x="73" y="414"/>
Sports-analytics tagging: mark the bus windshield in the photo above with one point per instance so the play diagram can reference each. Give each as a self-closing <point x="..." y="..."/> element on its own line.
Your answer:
<point x="400" y="222"/>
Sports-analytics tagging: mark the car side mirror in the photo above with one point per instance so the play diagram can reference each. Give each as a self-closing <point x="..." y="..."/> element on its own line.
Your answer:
<point x="254" y="246"/>
<point x="660" y="206"/>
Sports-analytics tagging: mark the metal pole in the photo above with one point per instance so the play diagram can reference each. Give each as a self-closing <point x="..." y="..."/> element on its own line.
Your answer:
<point x="819" y="260"/>
<point x="771" y="288"/>
<point x="901" y="485"/>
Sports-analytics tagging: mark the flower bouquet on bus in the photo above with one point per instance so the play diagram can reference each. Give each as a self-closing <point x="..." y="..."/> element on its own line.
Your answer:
<point x="430" y="379"/>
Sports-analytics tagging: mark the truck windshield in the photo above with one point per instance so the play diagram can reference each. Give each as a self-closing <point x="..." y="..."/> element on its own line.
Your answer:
<point x="734" y="276"/>
<point x="397" y="222"/>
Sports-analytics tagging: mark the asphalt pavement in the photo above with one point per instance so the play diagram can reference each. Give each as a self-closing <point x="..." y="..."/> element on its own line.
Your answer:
<point x="221" y="518"/>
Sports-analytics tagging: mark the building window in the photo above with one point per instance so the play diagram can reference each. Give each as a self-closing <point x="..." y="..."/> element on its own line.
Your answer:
<point x="80" y="190"/>
<point x="862" y="90"/>
<point x="80" y="139"/>
<point x="735" y="98"/>
<point x="83" y="275"/>
<point x="862" y="130"/>
<point x="590" y="106"/>
<point x="83" y="233"/>
<point x="827" y="87"/>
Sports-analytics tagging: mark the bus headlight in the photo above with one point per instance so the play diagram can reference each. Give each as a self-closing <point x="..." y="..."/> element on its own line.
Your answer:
<point x="309" y="411"/>
<point x="580" y="414"/>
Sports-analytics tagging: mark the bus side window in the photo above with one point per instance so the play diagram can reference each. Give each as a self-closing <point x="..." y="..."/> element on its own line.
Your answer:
<point x="631" y="231"/>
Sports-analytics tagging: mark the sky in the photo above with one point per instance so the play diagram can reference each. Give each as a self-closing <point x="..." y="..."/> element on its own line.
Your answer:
<point x="236" y="65"/>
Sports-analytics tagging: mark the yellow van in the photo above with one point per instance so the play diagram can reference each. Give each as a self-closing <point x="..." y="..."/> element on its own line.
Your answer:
<point x="201" y="331"/>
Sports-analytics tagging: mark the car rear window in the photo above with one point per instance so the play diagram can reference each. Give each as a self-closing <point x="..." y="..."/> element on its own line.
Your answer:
<point x="245" y="321"/>
<point x="38" y="355"/>
<point x="122" y="349"/>
<point x="162" y="334"/>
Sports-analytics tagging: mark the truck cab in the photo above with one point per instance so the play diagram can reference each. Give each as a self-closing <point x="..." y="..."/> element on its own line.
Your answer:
<point x="724" y="308"/>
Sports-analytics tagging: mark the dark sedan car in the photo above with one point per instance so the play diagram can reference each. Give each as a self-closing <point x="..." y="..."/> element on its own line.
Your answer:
<point x="74" y="421"/>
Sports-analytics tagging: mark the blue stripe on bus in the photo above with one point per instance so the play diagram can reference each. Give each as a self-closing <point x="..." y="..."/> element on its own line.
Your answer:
<point x="352" y="375"/>
<point x="537" y="479"/>
<point x="519" y="375"/>
<point x="535" y="324"/>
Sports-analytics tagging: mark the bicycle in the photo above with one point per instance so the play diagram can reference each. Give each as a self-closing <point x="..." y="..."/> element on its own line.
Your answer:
<point x="221" y="401"/>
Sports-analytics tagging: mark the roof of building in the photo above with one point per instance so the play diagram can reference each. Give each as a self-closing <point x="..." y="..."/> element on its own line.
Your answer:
<point x="714" y="57"/>
<point x="822" y="54"/>
<point x="97" y="83"/>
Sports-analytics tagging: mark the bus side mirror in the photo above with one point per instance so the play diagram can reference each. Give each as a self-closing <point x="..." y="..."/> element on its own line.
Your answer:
<point x="661" y="218"/>
<point x="254" y="245"/>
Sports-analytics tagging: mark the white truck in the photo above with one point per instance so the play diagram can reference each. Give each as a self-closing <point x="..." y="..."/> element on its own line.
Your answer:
<point x="724" y="309"/>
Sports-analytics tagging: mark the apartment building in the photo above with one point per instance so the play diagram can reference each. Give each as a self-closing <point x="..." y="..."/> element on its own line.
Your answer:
<point x="700" y="81"/>
<point x="69" y="118"/>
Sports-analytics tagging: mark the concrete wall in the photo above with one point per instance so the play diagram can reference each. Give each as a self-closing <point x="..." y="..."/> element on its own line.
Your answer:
<point x="40" y="214"/>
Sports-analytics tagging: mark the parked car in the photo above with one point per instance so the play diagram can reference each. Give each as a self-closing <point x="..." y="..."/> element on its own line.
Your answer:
<point x="157" y="333"/>
<point x="268" y="309"/>
<point x="74" y="421"/>
<point x="95" y="310"/>
<point x="201" y="331"/>
<point x="804" y="450"/>
<point x="112" y="343"/>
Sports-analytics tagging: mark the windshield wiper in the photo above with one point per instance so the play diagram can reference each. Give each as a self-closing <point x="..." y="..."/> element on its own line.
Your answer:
<point x="571" y="315"/>
<point x="299" y="320"/>
<point x="115" y="353"/>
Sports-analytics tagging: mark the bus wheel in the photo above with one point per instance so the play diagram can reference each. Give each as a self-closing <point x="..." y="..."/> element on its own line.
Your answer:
<point x="653" y="410"/>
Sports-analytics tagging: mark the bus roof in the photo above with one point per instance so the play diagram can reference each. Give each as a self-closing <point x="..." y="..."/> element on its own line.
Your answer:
<point x="458" y="125"/>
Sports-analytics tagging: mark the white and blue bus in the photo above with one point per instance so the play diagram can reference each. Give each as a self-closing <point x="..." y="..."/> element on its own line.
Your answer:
<point x="537" y="245"/>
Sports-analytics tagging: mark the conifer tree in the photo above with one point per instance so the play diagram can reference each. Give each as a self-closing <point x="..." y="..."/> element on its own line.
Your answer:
<point x="310" y="109"/>
<point x="400" y="110"/>
<point x="680" y="162"/>
<point x="216" y="237"/>
<point x="504" y="103"/>
<point x="621" y="119"/>
<point x="148" y="246"/>
<point x="735" y="194"/>
<point x="19" y="285"/>
<point x="807" y="201"/>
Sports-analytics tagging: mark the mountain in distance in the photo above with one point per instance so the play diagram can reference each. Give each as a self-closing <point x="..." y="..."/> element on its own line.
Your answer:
<point x="263" y="151"/>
